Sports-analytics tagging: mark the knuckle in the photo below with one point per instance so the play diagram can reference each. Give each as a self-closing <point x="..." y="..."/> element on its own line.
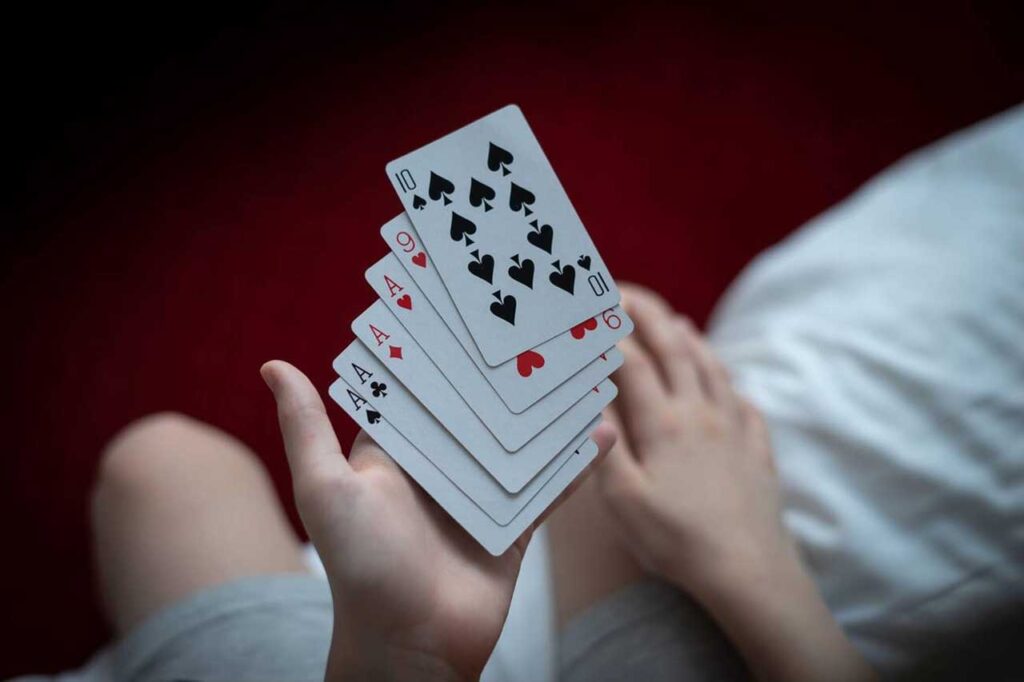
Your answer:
<point x="628" y="288"/>
<point x="674" y="343"/>
<point x="669" y="422"/>
<point x="720" y="372"/>
<point x="710" y="420"/>
<point x="636" y="359"/>
<point x="314" y="486"/>
<point x="303" y="411"/>
<point x="649" y="296"/>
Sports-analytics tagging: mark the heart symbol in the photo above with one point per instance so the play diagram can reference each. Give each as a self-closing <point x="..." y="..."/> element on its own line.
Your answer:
<point x="420" y="259"/>
<point x="542" y="238"/>
<point x="580" y="330"/>
<point x="405" y="301"/>
<point x="505" y="308"/>
<point x="527" y="361"/>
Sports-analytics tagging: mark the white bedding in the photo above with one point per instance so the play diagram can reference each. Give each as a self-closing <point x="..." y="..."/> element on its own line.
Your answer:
<point x="885" y="343"/>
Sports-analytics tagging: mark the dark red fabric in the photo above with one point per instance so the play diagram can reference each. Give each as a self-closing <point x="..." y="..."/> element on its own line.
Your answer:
<point x="231" y="221"/>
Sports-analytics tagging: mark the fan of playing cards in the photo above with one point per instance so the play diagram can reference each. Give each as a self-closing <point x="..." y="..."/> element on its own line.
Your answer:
<point x="482" y="368"/>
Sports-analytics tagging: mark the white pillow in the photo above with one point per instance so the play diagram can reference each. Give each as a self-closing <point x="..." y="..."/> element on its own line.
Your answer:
<point x="885" y="343"/>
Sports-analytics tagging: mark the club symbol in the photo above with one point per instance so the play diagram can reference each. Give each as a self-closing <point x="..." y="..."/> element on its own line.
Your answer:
<point x="379" y="389"/>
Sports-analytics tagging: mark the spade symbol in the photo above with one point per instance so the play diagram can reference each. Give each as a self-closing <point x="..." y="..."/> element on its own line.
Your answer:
<point x="479" y="193"/>
<point x="522" y="272"/>
<point x="584" y="262"/>
<point x="518" y="197"/>
<point x="418" y="202"/>
<point x="440" y="187"/>
<point x="542" y="238"/>
<point x="563" y="278"/>
<point x="498" y="158"/>
<point x="461" y="227"/>
<point x="504" y="307"/>
<point x="482" y="267"/>
<point x="372" y="416"/>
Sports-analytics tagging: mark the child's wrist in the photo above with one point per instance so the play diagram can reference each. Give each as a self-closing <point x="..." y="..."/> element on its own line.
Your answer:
<point x="743" y="572"/>
<point x="368" y="657"/>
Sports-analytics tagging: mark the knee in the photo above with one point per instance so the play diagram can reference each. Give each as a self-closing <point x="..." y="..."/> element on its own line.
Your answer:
<point x="168" y="456"/>
<point x="135" y="456"/>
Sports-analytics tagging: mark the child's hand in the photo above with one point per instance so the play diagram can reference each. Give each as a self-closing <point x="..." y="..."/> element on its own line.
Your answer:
<point x="693" y="487"/>
<point x="415" y="597"/>
<point x="691" y="480"/>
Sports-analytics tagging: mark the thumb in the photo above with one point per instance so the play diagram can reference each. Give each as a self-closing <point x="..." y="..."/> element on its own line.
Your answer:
<point x="309" y="440"/>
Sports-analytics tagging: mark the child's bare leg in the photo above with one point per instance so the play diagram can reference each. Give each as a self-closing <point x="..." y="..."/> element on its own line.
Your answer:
<point x="179" y="506"/>
<point x="587" y="559"/>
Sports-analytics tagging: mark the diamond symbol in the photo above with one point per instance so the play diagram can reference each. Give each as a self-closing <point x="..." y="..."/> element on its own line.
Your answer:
<point x="396" y="351"/>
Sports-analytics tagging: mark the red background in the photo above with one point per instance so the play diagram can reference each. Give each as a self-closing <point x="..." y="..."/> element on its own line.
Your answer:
<point x="216" y="205"/>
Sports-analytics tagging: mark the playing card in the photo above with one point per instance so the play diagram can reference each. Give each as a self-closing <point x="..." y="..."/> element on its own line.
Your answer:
<point x="381" y="332"/>
<point x="384" y="394"/>
<point x="405" y="300"/>
<point x="532" y="374"/>
<point x="420" y="321"/>
<point x="492" y="536"/>
<point x="508" y="244"/>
